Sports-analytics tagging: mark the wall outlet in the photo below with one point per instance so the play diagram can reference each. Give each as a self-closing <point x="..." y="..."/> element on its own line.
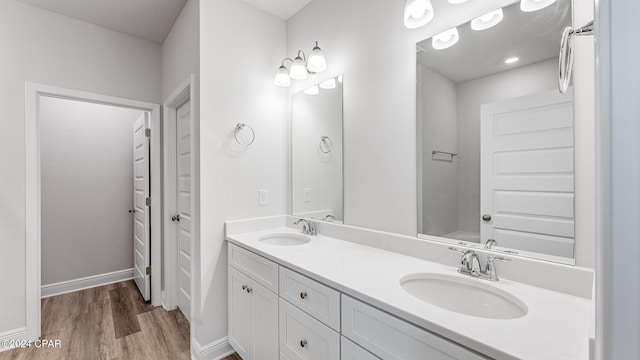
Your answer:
<point x="307" y="195"/>
<point x="263" y="196"/>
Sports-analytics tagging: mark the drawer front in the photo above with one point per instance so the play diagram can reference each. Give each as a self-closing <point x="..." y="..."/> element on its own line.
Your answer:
<point x="316" y="299"/>
<point x="388" y="337"/>
<point x="351" y="351"/>
<point x="305" y="338"/>
<point x="254" y="266"/>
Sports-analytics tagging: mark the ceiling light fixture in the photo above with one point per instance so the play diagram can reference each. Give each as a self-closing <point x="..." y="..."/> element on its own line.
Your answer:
<point x="511" y="60"/>
<point x="445" y="39"/>
<point x="488" y="20"/>
<point x="300" y="67"/>
<point x="534" y="5"/>
<point x="417" y="13"/>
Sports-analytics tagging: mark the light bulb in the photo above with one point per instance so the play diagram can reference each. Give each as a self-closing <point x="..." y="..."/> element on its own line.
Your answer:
<point x="417" y="13"/>
<point x="534" y="5"/>
<point x="329" y="84"/>
<point x="487" y="21"/>
<point x="298" y="69"/>
<point x="316" y="63"/>
<point x="445" y="39"/>
<point x="312" y="90"/>
<point x="282" y="77"/>
<point x="511" y="60"/>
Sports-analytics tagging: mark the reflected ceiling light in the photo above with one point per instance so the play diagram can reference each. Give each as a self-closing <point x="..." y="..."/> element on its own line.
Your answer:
<point x="329" y="84"/>
<point x="312" y="90"/>
<point x="445" y="39"/>
<point x="417" y="13"/>
<point x="457" y="1"/>
<point x="488" y="20"/>
<point x="340" y="79"/>
<point x="534" y="5"/>
<point x="300" y="67"/>
<point x="511" y="60"/>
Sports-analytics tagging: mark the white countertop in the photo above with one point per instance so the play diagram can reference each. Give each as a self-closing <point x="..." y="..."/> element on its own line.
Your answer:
<point x="555" y="327"/>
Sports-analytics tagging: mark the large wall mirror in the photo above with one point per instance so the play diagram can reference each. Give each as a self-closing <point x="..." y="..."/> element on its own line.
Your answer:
<point x="495" y="136"/>
<point x="316" y="152"/>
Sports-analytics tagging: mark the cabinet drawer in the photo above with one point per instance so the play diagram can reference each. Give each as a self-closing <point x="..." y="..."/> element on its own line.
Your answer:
<point x="316" y="299"/>
<point x="351" y="351"/>
<point x="255" y="266"/>
<point x="389" y="337"/>
<point x="305" y="338"/>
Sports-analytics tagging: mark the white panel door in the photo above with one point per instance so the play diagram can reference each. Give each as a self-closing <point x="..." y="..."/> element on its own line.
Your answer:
<point x="141" y="232"/>
<point x="183" y="156"/>
<point x="527" y="181"/>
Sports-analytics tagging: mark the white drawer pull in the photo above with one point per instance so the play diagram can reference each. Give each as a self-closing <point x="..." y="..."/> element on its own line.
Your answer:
<point x="303" y="343"/>
<point x="303" y="295"/>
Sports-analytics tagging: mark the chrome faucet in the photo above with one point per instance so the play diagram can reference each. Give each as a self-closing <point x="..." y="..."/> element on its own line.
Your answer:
<point x="470" y="265"/>
<point x="308" y="227"/>
<point x="329" y="218"/>
<point x="490" y="243"/>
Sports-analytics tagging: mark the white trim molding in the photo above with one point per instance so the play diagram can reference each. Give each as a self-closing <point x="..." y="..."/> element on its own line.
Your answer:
<point x="88" y="282"/>
<point x="216" y="350"/>
<point x="15" y="334"/>
<point x="33" y="92"/>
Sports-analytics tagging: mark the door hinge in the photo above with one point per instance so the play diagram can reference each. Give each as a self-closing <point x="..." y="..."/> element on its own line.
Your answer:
<point x="147" y="132"/>
<point x="148" y="201"/>
<point x="148" y="270"/>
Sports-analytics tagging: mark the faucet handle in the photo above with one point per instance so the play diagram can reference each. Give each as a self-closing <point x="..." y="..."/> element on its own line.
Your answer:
<point x="490" y="272"/>
<point x="491" y="258"/>
<point x="458" y="250"/>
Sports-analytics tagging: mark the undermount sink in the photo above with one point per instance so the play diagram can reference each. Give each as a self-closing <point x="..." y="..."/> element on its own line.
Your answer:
<point x="285" y="239"/>
<point x="465" y="296"/>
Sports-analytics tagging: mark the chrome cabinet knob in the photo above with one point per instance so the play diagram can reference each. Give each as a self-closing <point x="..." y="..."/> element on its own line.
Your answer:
<point x="303" y="295"/>
<point x="175" y="218"/>
<point x="303" y="343"/>
<point x="486" y="217"/>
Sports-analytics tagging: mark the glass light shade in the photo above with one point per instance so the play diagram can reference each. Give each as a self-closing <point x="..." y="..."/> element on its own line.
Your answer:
<point x="329" y="84"/>
<point x="316" y="63"/>
<point x="282" y="77"/>
<point x="314" y="90"/>
<point x="457" y="1"/>
<point x="417" y="13"/>
<point x="534" y="5"/>
<point x="445" y="39"/>
<point x="511" y="60"/>
<point x="298" y="69"/>
<point x="488" y="20"/>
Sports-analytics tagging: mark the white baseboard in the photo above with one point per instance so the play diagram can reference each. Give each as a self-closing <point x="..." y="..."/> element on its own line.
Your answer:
<point x="216" y="350"/>
<point x="86" y="283"/>
<point x="15" y="334"/>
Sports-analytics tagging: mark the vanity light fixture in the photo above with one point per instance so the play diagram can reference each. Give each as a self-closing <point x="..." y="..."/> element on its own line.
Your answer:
<point x="329" y="84"/>
<point x="511" y="60"/>
<point x="417" y="13"/>
<point x="488" y="20"/>
<point x="314" y="90"/>
<point x="445" y="39"/>
<point x="300" y="67"/>
<point x="534" y="5"/>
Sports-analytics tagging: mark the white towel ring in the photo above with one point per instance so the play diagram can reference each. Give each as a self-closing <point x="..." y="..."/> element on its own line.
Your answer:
<point x="327" y="142"/>
<point x="238" y="129"/>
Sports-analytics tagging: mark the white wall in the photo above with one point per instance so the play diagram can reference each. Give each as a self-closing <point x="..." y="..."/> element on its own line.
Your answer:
<point x="46" y="48"/>
<point x="321" y="173"/>
<point x="87" y="189"/>
<point x="376" y="53"/>
<point x="241" y="47"/>
<point x="438" y="102"/>
<point x="510" y="84"/>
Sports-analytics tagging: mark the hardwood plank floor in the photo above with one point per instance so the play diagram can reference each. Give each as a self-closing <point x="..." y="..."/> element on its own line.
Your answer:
<point x="111" y="322"/>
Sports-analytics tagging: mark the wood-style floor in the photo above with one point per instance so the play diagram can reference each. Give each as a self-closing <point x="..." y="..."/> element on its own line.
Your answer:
<point x="110" y="322"/>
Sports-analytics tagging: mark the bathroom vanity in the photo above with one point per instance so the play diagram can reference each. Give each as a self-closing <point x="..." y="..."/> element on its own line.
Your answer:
<point x="295" y="296"/>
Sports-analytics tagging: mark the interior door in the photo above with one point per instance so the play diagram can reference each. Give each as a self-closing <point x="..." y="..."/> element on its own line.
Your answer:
<point x="184" y="207"/>
<point x="527" y="187"/>
<point x="141" y="232"/>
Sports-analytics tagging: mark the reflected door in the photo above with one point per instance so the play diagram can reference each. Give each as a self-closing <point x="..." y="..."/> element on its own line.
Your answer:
<point x="141" y="232"/>
<point x="527" y="185"/>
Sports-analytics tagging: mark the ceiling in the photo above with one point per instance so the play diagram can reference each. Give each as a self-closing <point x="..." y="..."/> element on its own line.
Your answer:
<point x="147" y="19"/>
<point x="284" y="9"/>
<point x="533" y="36"/>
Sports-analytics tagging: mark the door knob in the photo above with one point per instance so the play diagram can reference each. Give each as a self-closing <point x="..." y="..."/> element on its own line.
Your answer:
<point x="131" y="211"/>
<point x="175" y="218"/>
<point x="486" y="217"/>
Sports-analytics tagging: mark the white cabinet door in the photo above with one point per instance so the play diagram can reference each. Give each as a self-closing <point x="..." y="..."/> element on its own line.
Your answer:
<point x="351" y="351"/>
<point x="241" y="314"/>
<point x="265" y="322"/>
